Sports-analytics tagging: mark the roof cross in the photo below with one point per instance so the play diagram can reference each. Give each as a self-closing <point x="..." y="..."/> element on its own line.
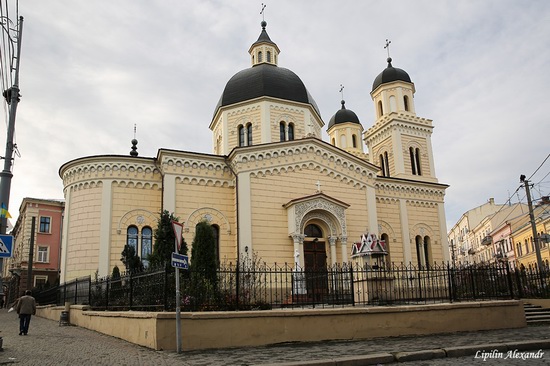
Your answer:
<point x="342" y="91"/>
<point x="318" y="184"/>
<point x="387" y="47"/>
<point x="263" y="11"/>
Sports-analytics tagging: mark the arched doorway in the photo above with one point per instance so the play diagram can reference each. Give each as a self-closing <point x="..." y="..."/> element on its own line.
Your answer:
<point x="315" y="262"/>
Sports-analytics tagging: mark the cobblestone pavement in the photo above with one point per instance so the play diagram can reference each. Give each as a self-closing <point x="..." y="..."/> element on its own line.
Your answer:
<point x="49" y="344"/>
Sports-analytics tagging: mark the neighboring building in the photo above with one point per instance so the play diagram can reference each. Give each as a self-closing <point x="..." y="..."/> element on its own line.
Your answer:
<point x="48" y="216"/>
<point x="481" y="238"/>
<point x="461" y="242"/>
<point x="523" y="241"/>
<point x="272" y="187"/>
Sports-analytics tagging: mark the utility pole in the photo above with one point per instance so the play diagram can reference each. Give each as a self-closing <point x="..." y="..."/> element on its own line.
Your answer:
<point x="12" y="98"/>
<point x="533" y="225"/>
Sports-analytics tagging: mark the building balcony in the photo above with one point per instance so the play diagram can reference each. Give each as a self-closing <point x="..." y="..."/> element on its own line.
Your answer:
<point x="488" y="240"/>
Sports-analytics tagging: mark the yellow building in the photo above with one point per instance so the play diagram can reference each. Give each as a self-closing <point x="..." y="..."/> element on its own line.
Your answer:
<point x="522" y="238"/>
<point x="271" y="187"/>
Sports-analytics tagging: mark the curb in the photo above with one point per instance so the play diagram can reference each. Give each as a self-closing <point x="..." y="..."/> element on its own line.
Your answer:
<point x="402" y="356"/>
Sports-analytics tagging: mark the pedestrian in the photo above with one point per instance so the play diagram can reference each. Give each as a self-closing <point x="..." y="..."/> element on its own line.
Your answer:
<point x="26" y="307"/>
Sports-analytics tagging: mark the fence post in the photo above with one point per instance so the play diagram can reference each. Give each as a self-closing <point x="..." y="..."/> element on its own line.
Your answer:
<point x="509" y="278"/>
<point x="450" y="281"/>
<point x="237" y="285"/>
<point x="352" y="284"/>
<point x="75" y="290"/>
<point x="107" y="293"/>
<point x="89" y="290"/>
<point x="165" y="289"/>
<point x="131" y="289"/>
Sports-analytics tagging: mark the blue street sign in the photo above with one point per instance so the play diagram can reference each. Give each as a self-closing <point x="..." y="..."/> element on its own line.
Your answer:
<point x="180" y="261"/>
<point x="6" y="246"/>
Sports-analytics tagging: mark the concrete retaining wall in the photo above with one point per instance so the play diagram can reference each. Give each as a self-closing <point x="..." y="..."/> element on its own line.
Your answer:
<point x="254" y="328"/>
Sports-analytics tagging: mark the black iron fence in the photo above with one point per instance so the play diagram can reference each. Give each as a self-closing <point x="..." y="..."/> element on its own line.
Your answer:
<point x="259" y="286"/>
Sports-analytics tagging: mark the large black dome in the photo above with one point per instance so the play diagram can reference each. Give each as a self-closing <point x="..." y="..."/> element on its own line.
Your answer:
<point x="343" y="116"/>
<point x="390" y="74"/>
<point x="265" y="80"/>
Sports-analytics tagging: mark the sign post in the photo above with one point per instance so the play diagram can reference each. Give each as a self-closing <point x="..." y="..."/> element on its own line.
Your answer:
<point x="178" y="233"/>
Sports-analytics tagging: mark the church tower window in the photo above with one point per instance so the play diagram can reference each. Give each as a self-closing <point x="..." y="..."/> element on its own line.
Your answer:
<point x="406" y="103"/>
<point x="384" y="164"/>
<point x="290" y="131"/>
<point x="282" y="131"/>
<point x="354" y="140"/>
<point x="260" y="56"/>
<point x="393" y="104"/>
<point x="249" y="134"/>
<point x="241" y="135"/>
<point x="380" y="109"/>
<point x="268" y="56"/>
<point x="415" y="160"/>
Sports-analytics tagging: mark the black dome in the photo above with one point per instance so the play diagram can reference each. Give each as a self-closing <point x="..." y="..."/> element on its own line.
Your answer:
<point x="342" y="116"/>
<point x="265" y="80"/>
<point x="390" y="74"/>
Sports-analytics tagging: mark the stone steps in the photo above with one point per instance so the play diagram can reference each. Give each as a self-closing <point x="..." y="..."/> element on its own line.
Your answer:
<point x="535" y="314"/>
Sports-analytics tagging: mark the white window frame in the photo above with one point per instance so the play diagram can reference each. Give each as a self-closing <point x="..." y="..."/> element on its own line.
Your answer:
<point x="38" y="254"/>
<point x="40" y="277"/>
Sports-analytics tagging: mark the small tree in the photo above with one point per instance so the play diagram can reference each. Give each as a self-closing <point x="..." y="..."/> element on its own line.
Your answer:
<point x="164" y="241"/>
<point x="131" y="261"/>
<point x="203" y="252"/>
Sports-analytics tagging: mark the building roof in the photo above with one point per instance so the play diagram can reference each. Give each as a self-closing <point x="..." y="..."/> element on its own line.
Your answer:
<point x="265" y="80"/>
<point x="390" y="74"/>
<point x="343" y="115"/>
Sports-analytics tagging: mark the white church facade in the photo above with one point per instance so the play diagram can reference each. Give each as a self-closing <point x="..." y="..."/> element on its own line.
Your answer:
<point x="271" y="187"/>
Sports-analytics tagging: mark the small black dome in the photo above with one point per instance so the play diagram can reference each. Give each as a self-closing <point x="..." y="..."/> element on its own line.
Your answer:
<point x="342" y="116"/>
<point x="390" y="74"/>
<point x="265" y="80"/>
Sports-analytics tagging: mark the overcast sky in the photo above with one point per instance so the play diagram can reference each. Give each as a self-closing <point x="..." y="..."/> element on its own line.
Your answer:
<point x="90" y="70"/>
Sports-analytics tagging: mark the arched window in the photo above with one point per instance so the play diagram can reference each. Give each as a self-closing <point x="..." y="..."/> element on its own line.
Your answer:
<point x="268" y="56"/>
<point x="241" y="135"/>
<point x="260" y="56"/>
<point x="290" y="131"/>
<point x="132" y="237"/>
<point x="146" y="244"/>
<point x="216" y="231"/>
<point x="282" y="136"/>
<point x="406" y="102"/>
<point x="386" y="164"/>
<point x="249" y="134"/>
<point x="354" y="140"/>
<point x="427" y="250"/>
<point x="333" y="142"/>
<point x="415" y="160"/>
<point x="380" y="109"/>
<point x="313" y="231"/>
<point x="419" y="250"/>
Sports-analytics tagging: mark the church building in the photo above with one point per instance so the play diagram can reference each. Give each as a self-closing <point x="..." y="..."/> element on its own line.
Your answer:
<point x="271" y="186"/>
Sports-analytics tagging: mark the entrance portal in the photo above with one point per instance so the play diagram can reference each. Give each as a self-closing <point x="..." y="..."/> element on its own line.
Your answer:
<point x="315" y="263"/>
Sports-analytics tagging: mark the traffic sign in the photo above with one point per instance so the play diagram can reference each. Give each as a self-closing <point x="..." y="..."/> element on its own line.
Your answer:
<point x="180" y="261"/>
<point x="6" y="246"/>
<point x="178" y="233"/>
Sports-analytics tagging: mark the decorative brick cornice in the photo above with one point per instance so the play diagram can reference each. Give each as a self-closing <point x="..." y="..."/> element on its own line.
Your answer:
<point x="89" y="170"/>
<point x="281" y="158"/>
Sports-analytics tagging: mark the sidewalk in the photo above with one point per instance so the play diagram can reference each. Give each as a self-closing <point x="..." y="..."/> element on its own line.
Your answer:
<point x="50" y="344"/>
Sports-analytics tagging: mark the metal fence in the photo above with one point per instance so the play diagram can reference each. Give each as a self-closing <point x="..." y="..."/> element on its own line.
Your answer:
<point x="259" y="286"/>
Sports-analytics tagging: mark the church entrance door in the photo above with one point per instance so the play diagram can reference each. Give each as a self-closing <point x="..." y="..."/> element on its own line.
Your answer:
<point x="315" y="263"/>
